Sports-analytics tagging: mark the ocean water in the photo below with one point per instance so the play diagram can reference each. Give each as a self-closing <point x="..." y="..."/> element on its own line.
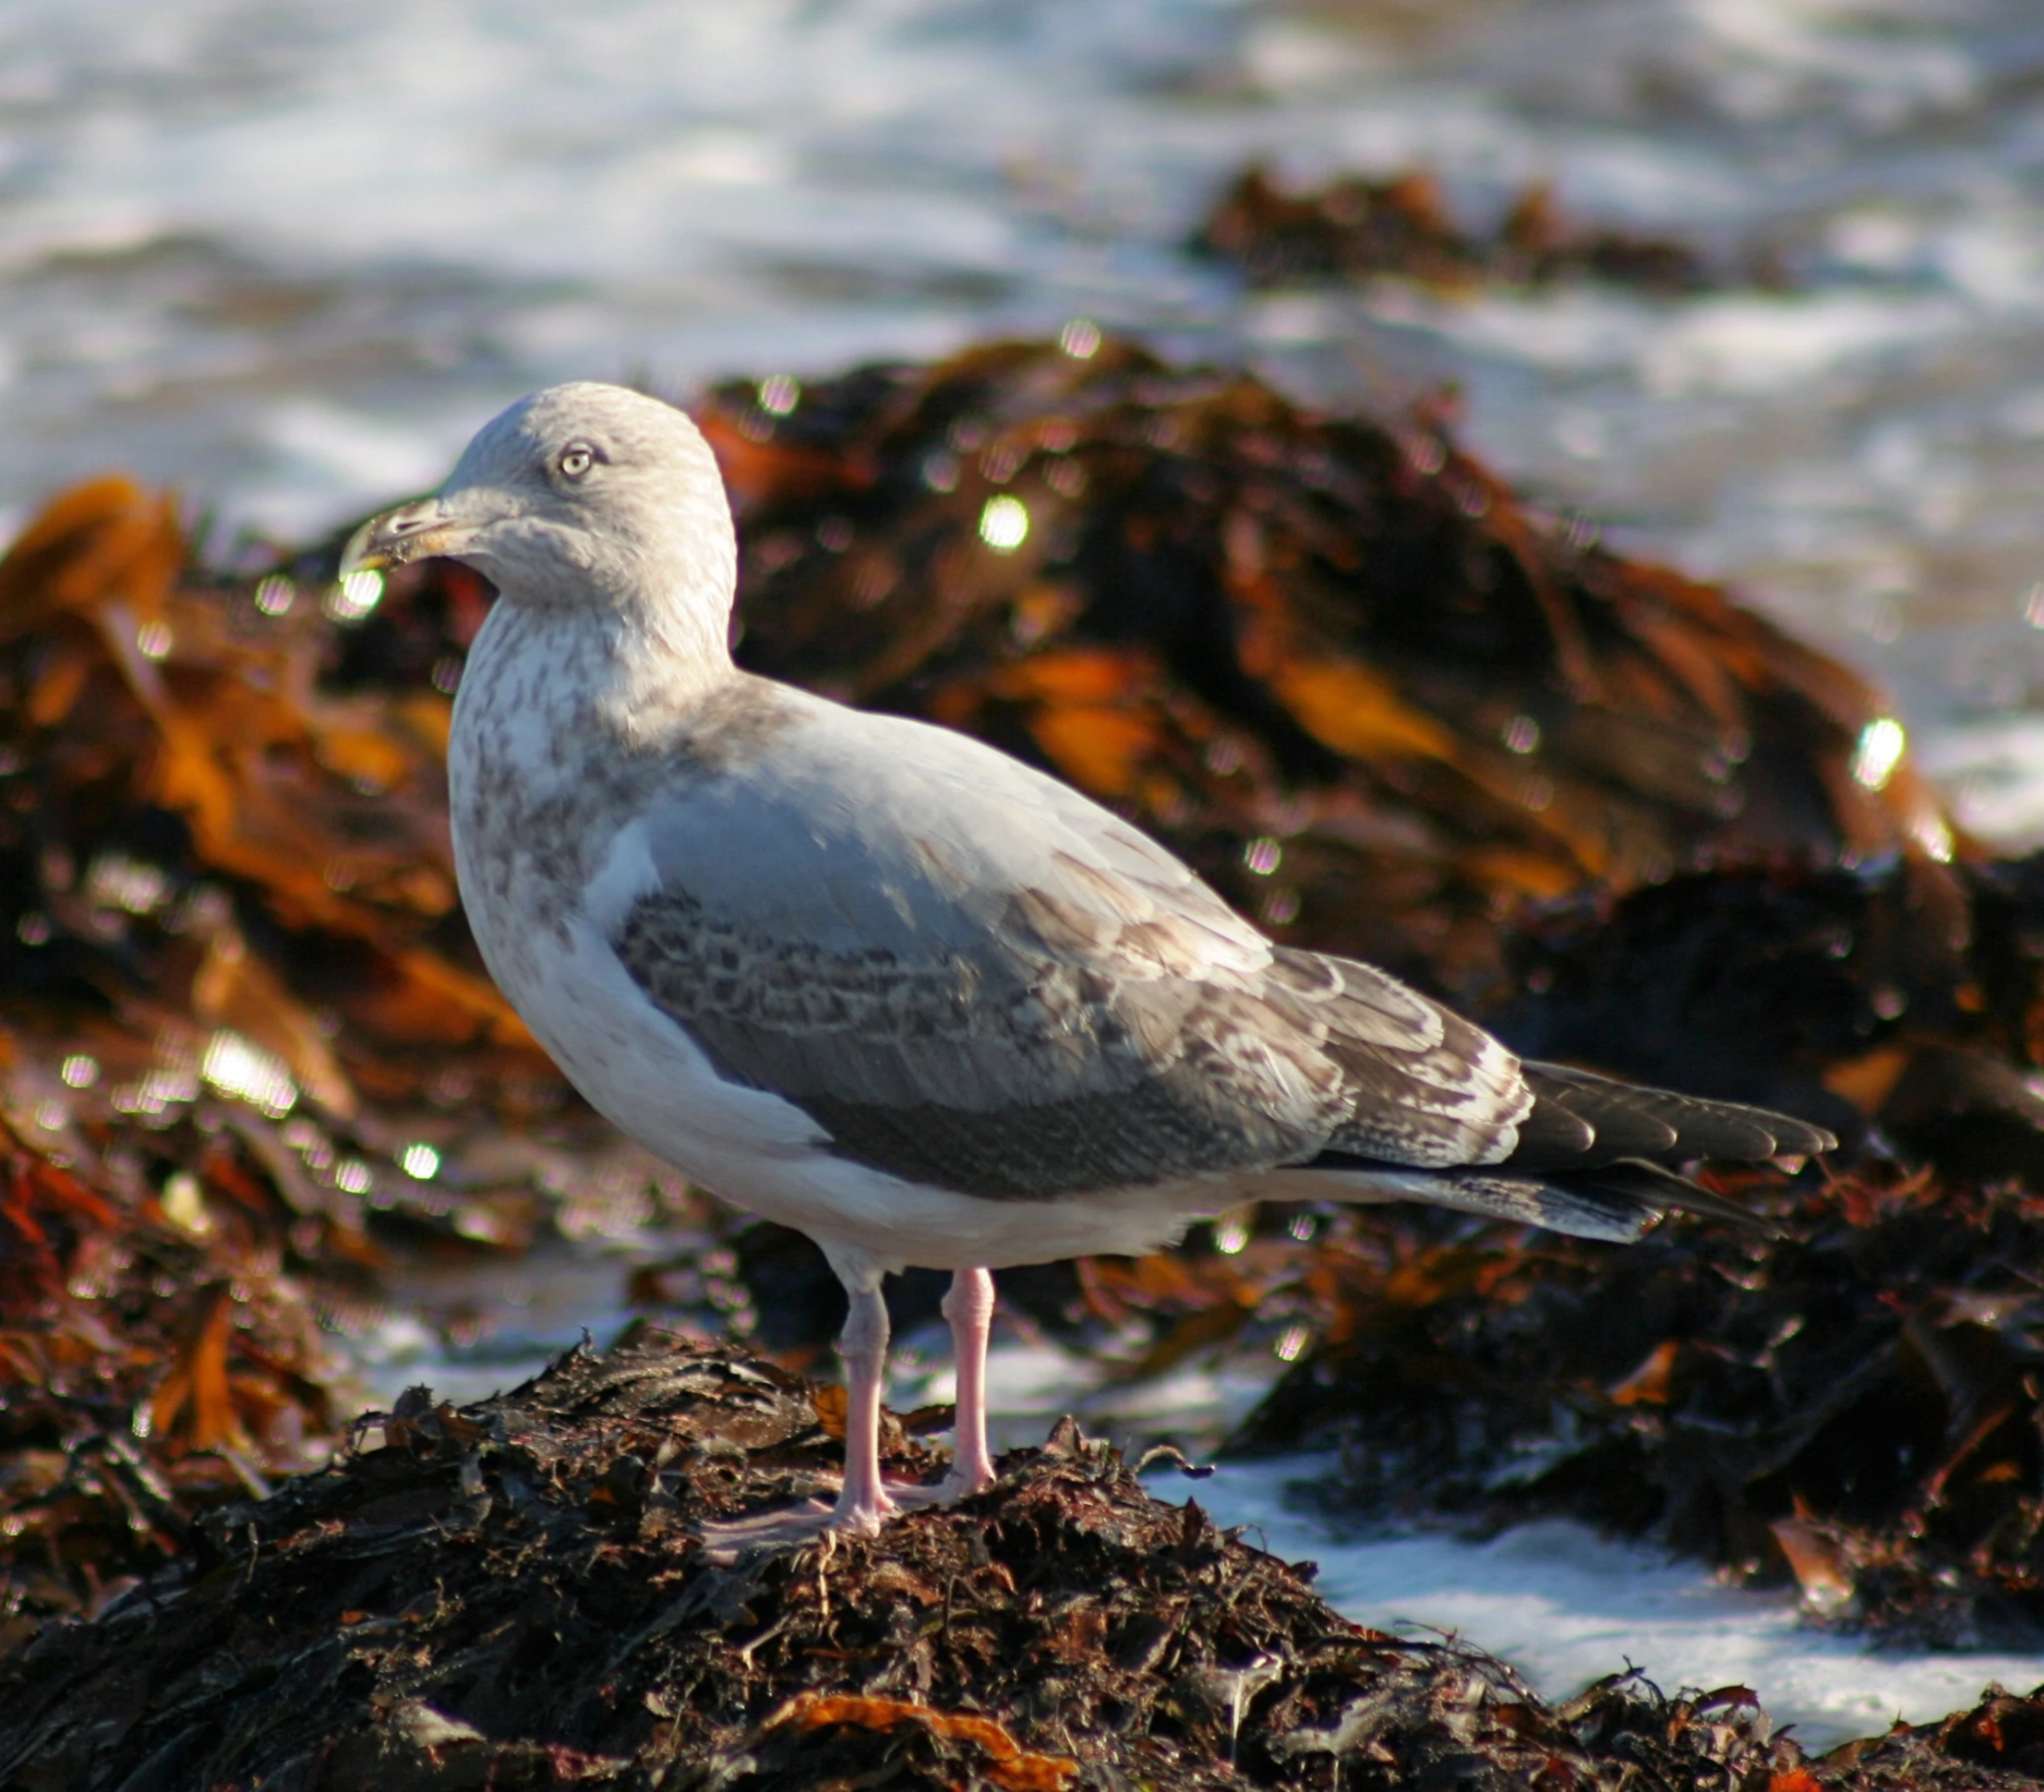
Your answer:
<point x="285" y="256"/>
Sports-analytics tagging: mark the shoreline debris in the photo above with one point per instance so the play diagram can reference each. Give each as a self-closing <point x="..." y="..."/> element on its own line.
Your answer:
<point x="510" y="1592"/>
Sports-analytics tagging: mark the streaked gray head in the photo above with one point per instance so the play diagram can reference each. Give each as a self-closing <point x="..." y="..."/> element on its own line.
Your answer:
<point x="583" y="495"/>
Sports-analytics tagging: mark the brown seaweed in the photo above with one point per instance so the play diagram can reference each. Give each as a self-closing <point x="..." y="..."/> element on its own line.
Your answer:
<point x="512" y="1594"/>
<point x="156" y="1356"/>
<point x="1857" y="1405"/>
<point x="1357" y="229"/>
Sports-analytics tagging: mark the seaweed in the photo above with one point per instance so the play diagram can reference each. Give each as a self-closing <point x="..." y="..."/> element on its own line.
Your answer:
<point x="1857" y="1403"/>
<point x="512" y="1594"/>
<point x="1357" y="229"/>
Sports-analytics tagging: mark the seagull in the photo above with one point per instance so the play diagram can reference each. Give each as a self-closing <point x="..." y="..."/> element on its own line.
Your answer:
<point x="878" y="981"/>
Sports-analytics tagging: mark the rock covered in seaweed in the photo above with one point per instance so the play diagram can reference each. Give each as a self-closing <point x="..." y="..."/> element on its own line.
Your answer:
<point x="509" y="1594"/>
<point x="1354" y="227"/>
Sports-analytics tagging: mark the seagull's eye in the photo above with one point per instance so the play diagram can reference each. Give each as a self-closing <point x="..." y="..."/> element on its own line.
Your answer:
<point x="576" y="460"/>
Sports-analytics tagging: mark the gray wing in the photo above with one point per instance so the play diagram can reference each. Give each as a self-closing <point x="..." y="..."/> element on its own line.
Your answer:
<point x="971" y="976"/>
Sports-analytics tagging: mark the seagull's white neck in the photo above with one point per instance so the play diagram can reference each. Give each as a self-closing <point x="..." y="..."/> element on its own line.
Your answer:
<point x="621" y="680"/>
<point x="638" y="661"/>
<point x="659" y="668"/>
<point x="635" y="596"/>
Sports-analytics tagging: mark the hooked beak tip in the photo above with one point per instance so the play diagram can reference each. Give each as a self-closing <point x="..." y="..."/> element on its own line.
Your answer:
<point x="365" y="552"/>
<point x="411" y="531"/>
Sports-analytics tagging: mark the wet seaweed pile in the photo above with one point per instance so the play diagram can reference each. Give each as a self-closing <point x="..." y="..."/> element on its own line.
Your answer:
<point x="1859" y="1403"/>
<point x="511" y="1593"/>
<point x="1357" y="229"/>
<point x="158" y="1360"/>
<point x="1817" y="990"/>
<point x="1997" y="1744"/>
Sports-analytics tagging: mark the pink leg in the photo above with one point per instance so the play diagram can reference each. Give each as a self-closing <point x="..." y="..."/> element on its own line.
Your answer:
<point x="970" y="1308"/>
<point x="866" y="1501"/>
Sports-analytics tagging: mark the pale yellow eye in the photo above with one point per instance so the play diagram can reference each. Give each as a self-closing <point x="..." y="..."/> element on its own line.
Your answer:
<point x="575" y="462"/>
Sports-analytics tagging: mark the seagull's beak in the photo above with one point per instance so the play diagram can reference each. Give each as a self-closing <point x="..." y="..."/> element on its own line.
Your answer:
<point x="411" y="531"/>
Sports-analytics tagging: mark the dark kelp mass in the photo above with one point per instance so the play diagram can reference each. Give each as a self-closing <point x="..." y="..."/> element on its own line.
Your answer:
<point x="1331" y="660"/>
<point x="1854" y="1402"/>
<point x="509" y="1593"/>
<point x="250" y="1060"/>
<point x="1358" y="228"/>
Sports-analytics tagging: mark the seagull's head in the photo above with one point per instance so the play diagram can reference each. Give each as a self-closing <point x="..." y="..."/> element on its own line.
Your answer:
<point x="584" y="497"/>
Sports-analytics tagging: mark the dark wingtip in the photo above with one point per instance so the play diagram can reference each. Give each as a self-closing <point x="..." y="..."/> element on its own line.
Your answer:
<point x="1798" y="1139"/>
<point x="1698" y="1127"/>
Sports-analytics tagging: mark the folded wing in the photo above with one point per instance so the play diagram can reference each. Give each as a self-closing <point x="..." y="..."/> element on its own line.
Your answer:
<point x="971" y="976"/>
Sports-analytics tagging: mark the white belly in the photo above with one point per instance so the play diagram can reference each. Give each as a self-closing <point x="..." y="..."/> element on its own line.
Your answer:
<point x="643" y="1073"/>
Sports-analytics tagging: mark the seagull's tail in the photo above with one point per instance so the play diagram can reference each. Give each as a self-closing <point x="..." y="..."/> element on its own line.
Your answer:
<point x="1618" y="1203"/>
<point x="1596" y="1159"/>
